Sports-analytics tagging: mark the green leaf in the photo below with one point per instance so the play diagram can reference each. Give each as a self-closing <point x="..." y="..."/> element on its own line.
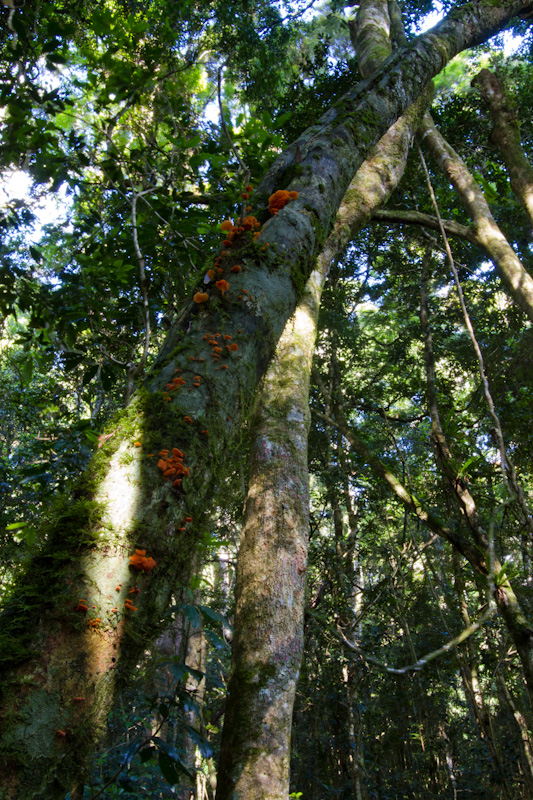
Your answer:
<point x="28" y="535"/>
<point x="217" y="642"/>
<point x="267" y="119"/>
<point x="182" y="671"/>
<point x="108" y="377"/>
<point x="203" y="745"/>
<point x="26" y="369"/>
<point x="191" y="612"/>
<point x="146" y="754"/>
<point x="280" y="121"/>
<point x="36" y="253"/>
<point x="216" y="616"/>
<point x="89" y="374"/>
<point x="57" y="58"/>
<point x="166" y="765"/>
<point x="72" y="360"/>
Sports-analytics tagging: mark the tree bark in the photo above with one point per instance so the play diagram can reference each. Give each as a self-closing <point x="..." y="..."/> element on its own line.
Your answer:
<point x="397" y="216"/>
<point x="524" y="732"/>
<point x="506" y="136"/>
<point x="59" y="672"/>
<point x="515" y="277"/>
<point x="272" y="561"/>
<point x="255" y="752"/>
<point x="468" y="668"/>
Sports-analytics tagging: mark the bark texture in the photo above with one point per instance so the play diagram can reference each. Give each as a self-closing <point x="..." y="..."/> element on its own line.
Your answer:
<point x="255" y="753"/>
<point x="506" y="136"/>
<point x="397" y="216"/>
<point x="517" y="280"/>
<point x="268" y="640"/>
<point x="59" y="671"/>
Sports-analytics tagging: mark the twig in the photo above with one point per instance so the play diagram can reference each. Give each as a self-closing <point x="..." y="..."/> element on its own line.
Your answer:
<point x="134" y="371"/>
<point x="418" y="665"/>
<point x="246" y="172"/>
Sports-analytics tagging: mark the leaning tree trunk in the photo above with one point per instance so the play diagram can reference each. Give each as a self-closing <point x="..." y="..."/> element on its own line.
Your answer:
<point x="268" y="640"/>
<point x="468" y="667"/>
<point x="267" y="646"/>
<point x="68" y="626"/>
<point x="519" y="627"/>
<point x="515" y="277"/>
<point x="506" y="136"/>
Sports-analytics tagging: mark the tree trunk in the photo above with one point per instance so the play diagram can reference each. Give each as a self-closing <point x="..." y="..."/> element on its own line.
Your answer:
<point x="517" y="280"/>
<point x="255" y="754"/>
<point x="524" y="732"/>
<point x="59" y="669"/>
<point x="469" y="673"/>
<point x="518" y="626"/>
<point x="506" y="136"/>
<point x="272" y="561"/>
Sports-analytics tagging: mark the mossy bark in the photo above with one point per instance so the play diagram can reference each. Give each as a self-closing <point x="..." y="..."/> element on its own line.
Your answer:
<point x="255" y="752"/>
<point x="506" y="136"/>
<point x="515" y="277"/>
<point x="60" y="674"/>
<point x="370" y="35"/>
<point x="268" y="640"/>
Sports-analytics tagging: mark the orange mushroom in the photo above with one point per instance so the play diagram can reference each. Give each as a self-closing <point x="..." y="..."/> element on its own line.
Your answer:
<point x="201" y="297"/>
<point x="142" y="563"/>
<point x="222" y="285"/>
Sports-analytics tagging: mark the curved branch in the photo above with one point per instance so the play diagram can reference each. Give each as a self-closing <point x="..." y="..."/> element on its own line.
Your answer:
<point x="421" y="662"/>
<point x="452" y="228"/>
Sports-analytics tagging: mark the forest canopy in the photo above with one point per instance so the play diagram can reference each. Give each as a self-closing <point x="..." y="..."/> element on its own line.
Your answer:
<point x="266" y="302"/>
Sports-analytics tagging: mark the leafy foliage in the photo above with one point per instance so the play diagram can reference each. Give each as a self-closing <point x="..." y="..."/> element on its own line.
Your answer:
<point x="113" y="109"/>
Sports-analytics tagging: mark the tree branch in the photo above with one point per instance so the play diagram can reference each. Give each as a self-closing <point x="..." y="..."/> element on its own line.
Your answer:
<point x="391" y="216"/>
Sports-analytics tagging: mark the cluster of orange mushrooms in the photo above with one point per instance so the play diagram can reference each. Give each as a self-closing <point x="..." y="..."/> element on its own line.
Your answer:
<point x="233" y="232"/>
<point x="172" y="466"/>
<point x="139" y="561"/>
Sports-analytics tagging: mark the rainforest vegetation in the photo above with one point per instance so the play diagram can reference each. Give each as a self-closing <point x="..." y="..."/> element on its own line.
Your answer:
<point x="266" y="376"/>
